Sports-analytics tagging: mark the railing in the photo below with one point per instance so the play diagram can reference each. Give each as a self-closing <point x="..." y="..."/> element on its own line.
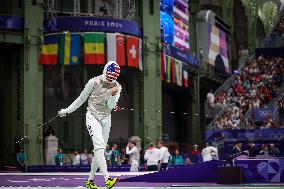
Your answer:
<point x="211" y="124"/>
<point x="247" y="118"/>
<point x="275" y="116"/>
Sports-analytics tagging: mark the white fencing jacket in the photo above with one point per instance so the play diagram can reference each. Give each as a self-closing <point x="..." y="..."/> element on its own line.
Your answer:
<point x="152" y="156"/>
<point x="100" y="102"/>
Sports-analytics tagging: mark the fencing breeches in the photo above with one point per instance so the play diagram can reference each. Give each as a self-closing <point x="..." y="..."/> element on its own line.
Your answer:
<point x="99" y="132"/>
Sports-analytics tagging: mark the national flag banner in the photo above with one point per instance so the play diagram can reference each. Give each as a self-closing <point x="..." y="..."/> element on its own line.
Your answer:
<point x="185" y="75"/>
<point x="178" y="71"/>
<point x="140" y="55"/>
<point x="94" y="48"/>
<point x="132" y="49"/>
<point x="116" y="48"/>
<point x="162" y="66"/>
<point x="168" y="67"/>
<point x="49" y="50"/>
<point x="70" y="46"/>
<point x="173" y="71"/>
<point x="218" y="49"/>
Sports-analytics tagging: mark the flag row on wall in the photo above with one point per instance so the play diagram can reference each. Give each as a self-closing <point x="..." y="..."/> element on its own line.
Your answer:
<point x="97" y="48"/>
<point x="174" y="71"/>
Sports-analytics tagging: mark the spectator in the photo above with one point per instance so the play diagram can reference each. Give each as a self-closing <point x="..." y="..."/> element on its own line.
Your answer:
<point x="209" y="153"/>
<point x="195" y="150"/>
<point x="211" y="98"/>
<point x="273" y="151"/>
<point x="59" y="157"/>
<point x="237" y="149"/>
<point x="187" y="161"/>
<point x="264" y="150"/>
<point x="84" y="158"/>
<point x="252" y="149"/>
<point x="177" y="159"/>
<point x="76" y="158"/>
<point x="124" y="158"/>
<point x="134" y="155"/>
<point x="114" y="155"/>
<point x="152" y="156"/>
<point x="254" y="86"/>
<point x="164" y="156"/>
<point x="21" y="159"/>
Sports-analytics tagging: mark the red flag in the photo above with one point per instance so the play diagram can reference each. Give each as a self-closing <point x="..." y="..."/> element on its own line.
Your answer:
<point x="132" y="51"/>
<point x="185" y="77"/>
<point x="116" y="48"/>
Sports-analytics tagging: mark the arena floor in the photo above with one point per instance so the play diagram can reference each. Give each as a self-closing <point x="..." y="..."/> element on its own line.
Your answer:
<point x="76" y="180"/>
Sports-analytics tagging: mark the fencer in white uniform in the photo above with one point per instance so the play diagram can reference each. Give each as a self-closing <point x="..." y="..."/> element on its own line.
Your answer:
<point x="134" y="155"/>
<point x="164" y="156"/>
<point x="102" y="93"/>
<point x="209" y="153"/>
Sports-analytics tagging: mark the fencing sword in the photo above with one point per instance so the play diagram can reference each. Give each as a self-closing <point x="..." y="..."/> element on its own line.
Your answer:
<point x="48" y="121"/>
<point x="42" y="125"/>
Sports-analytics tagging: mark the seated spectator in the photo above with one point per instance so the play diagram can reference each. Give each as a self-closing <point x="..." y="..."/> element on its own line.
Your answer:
<point x="84" y="158"/>
<point x="269" y="123"/>
<point x="273" y="151"/>
<point x="252" y="149"/>
<point x="264" y="150"/>
<point x="195" y="150"/>
<point x="21" y="159"/>
<point x="59" y="157"/>
<point x="237" y="149"/>
<point x="177" y="159"/>
<point x="76" y="158"/>
<point x="187" y="161"/>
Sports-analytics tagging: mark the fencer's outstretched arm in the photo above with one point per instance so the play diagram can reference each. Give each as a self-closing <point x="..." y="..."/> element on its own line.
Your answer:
<point x="82" y="98"/>
<point x="114" y="99"/>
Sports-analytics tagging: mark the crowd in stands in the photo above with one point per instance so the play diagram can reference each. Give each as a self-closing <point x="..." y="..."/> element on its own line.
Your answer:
<point x="279" y="28"/>
<point x="253" y="88"/>
<point x="253" y="150"/>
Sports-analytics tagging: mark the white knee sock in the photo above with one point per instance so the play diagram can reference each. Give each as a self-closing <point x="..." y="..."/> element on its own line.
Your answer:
<point x="100" y="157"/>
<point x="94" y="168"/>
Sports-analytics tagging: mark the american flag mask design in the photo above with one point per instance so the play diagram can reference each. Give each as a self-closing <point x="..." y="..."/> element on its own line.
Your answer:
<point x="112" y="72"/>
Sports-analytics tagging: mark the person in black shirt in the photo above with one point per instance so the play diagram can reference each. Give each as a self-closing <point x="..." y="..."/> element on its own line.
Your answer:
<point x="237" y="149"/>
<point x="252" y="149"/>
